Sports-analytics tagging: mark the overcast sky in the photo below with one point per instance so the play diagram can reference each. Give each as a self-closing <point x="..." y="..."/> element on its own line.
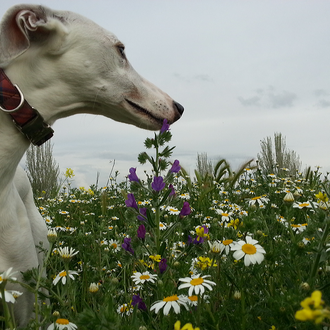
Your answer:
<point x="242" y="69"/>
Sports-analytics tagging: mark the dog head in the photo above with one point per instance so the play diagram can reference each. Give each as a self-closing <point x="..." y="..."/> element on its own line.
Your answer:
<point x="66" y="64"/>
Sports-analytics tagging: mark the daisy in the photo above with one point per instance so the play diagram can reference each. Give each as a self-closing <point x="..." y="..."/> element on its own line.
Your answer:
<point x="196" y="283"/>
<point x="162" y="226"/>
<point x="63" y="275"/>
<point x="250" y="250"/>
<point x="302" y="205"/>
<point x="172" y="210"/>
<point x="125" y="309"/>
<point x="225" y="245"/>
<point x="169" y="302"/>
<point x="215" y="247"/>
<point x="67" y="253"/>
<point x="260" y="200"/>
<point x="9" y="296"/>
<point x="8" y="275"/>
<point x="62" y="324"/>
<point x="114" y="245"/>
<point x="93" y="287"/>
<point x="140" y="278"/>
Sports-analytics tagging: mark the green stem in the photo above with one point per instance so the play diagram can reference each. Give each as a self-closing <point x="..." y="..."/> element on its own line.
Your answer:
<point x="8" y="318"/>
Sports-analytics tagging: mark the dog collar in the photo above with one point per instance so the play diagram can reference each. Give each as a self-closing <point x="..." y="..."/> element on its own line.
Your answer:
<point x="27" y="119"/>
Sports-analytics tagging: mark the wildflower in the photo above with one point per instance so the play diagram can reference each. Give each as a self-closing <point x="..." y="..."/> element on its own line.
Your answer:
<point x="193" y="300"/>
<point x="127" y="245"/>
<point x="317" y="314"/>
<point x="61" y="324"/>
<point x="250" y="250"/>
<point x="9" y="297"/>
<point x="140" y="278"/>
<point x="162" y="265"/>
<point x="165" y="126"/>
<point x="175" y="167"/>
<point x="172" y="210"/>
<point x="143" y="214"/>
<point x="187" y="326"/>
<point x="131" y="202"/>
<point x="132" y="176"/>
<point x="169" y="302"/>
<point x="322" y="197"/>
<point x="141" y="232"/>
<point x="226" y="244"/>
<point x="185" y="209"/>
<point x="125" y="309"/>
<point x="234" y="223"/>
<point x="162" y="226"/>
<point x="63" y="275"/>
<point x="8" y="275"/>
<point x="204" y="262"/>
<point x="196" y="283"/>
<point x="289" y="198"/>
<point x="215" y="247"/>
<point x="93" y="287"/>
<point x="158" y="184"/>
<point x="69" y="173"/>
<point x="156" y="257"/>
<point x="67" y="254"/>
<point x="302" y="205"/>
<point x="114" y="245"/>
<point x="137" y="300"/>
<point x="260" y="200"/>
<point x="52" y="235"/>
<point x="172" y="193"/>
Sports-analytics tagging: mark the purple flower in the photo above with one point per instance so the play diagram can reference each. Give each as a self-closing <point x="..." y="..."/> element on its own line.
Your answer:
<point x="143" y="212"/>
<point x="175" y="167"/>
<point x="141" y="232"/>
<point x="137" y="300"/>
<point x="165" y="126"/>
<point x="185" y="209"/>
<point x="131" y="202"/>
<point x="158" y="184"/>
<point x="127" y="245"/>
<point x="132" y="176"/>
<point x="162" y="265"/>
<point x="172" y="193"/>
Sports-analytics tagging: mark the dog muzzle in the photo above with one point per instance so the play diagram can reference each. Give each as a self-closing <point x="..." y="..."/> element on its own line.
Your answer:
<point x="26" y="119"/>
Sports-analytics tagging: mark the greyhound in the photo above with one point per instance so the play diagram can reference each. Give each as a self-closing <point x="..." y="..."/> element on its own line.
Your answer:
<point x="55" y="64"/>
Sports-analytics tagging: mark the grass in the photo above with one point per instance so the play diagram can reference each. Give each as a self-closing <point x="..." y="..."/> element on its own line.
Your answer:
<point x="179" y="236"/>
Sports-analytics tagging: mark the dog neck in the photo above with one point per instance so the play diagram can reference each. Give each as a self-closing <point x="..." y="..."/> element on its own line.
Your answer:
<point x="26" y="119"/>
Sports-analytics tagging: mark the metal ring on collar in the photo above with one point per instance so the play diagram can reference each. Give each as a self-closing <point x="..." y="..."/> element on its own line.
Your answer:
<point x="20" y="104"/>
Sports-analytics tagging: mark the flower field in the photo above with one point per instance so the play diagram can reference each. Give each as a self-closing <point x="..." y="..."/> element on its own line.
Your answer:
<point x="169" y="252"/>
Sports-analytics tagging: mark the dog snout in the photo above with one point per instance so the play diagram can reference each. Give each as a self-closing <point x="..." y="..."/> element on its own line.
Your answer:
<point x="178" y="107"/>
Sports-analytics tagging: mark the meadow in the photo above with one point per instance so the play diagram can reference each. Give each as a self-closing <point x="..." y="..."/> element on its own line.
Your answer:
<point x="240" y="251"/>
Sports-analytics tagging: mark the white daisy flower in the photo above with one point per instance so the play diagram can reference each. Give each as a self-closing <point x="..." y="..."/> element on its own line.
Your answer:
<point x="226" y="245"/>
<point x="8" y="275"/>
<point x="260" y="200"/>
<point x="67" y="253"/>
<point x="302" y="205"/>
<point x="61" y="324"/>
<point x="169" y="302"/>
<point x="125" y="309"/>
<point x="93" y="287"/>
<point x="140" y="278"/>
<point x="114" y="245"/>
<point x="196" y="284"/>
<point x="62" y="276"/>
<point x="9" y="296"/>
<point x="250" y="250"/>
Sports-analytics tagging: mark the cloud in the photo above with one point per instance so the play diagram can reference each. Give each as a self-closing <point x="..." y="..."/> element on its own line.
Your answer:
<point x="323" y="103"/>
<point x="269" y="98"/>
<point x="321" y="92"/>
<point x="202" y="77"/>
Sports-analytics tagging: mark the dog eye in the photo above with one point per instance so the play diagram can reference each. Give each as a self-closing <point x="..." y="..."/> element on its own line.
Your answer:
<point x="121" y="50"/>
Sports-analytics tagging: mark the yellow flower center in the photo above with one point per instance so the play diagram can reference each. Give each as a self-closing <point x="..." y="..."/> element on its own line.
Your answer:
<point x="196" y="281"/>
<point x="227" y="241"/>
<point x="1" y="279"/>
<point x="255" y="198"/>
<point x="144" y="277"/>
<point x="304" y="204"/>
<point x="123" y="309"/>
<point x="225" y="214"/>
<point x="114" y="245"/>
<point x="249" y="249"/>
<point x="62" y="321"/>
<point x="171" y="298"/>
<point x="193" y="298"/>
<point x="62" y="274"/>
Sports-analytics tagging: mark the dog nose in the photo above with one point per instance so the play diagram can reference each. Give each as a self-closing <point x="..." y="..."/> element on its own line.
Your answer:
<point x="179" y="107"/>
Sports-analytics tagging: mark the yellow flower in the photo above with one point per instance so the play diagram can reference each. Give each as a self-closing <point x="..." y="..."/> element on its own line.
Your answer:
<point x="317" y="314"/>
<point x="234" y="223"/>
<point x="156" y="258"/>
<point x="204" y="262"/>
<point x="69" y="173"/>
<point x="322" y="197"/>
<point x="187" y="326"/>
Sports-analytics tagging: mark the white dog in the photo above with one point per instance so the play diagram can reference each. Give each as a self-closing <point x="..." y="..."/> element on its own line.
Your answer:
<point x="59" y="63"/>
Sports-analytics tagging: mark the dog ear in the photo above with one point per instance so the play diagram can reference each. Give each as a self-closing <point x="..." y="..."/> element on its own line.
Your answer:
<point x="22" y="26"/>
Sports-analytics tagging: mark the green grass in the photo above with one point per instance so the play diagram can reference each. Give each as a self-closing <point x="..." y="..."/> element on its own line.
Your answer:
<point x="258" y="296"/>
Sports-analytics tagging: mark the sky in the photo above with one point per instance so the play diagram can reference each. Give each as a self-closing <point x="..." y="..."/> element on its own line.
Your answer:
<point x="243" y="70"/>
